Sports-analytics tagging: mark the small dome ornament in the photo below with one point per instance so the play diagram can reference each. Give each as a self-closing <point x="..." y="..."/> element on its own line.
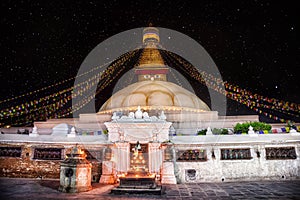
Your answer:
<point x="138" y="114"/>
<point x="146" y="115"/>
<point x="162" y="116"/>
<point x="209" y="132"/>
<point x="251" y="132"/>
<point x="115" y="117"/>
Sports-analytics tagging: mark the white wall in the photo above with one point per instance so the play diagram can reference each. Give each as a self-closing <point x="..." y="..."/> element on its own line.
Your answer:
<point x="253" y="169"/>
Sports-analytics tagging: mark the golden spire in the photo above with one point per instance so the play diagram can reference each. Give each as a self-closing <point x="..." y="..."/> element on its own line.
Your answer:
<point x="151" y="65"/>
<point x="150" y="34"/>
<point x="150" y="56"/>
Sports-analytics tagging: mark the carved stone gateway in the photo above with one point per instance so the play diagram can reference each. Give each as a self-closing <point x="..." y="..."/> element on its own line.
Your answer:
<point x="137" y="150"/>
<point x="144" y="129"/>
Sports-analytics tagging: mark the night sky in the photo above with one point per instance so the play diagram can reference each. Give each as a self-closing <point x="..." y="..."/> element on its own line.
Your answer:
<point x="254" y="43"/>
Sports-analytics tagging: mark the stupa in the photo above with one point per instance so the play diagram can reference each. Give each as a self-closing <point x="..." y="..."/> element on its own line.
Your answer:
<point x="163" y="119"/>
<point x="153" y="91"/>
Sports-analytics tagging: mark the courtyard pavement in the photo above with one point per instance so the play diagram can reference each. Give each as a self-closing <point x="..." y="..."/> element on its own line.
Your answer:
<point x="16" y="188"/>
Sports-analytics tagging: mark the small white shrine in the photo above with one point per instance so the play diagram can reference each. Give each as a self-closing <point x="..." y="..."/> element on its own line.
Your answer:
<point x="150" y="132"/>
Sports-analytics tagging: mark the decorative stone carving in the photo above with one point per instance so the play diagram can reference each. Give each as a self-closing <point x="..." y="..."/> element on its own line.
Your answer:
<point x="137" y="126"/>
<point x="155" y="136"/>
<point x="209" y="132"/>
<point x="121" y="133"/>
<point x="113" y="136"/>
<point x="138" y="114"/>
<point x="146" y="116"/>
<point x="251" y="132"/>
<point x="153" y="118"/>
<point x="162" y="116"/>
<point x="72" y="133"/>
<point x="34" y="132"/>
<point x="115" y="117"/>
<point x="273" y="153"/>
<point x="172" y="131"/>
<point x="131" y="115"/>
<point x="142" y="131"/>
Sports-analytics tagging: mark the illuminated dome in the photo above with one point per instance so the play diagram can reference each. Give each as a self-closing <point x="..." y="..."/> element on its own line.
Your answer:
<point x="152" y="95"/>
<point x="153" y="91"/>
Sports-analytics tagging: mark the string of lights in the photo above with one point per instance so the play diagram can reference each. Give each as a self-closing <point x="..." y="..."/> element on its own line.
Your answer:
<point x="56" y="105"/>
<point x="253" y="101"/>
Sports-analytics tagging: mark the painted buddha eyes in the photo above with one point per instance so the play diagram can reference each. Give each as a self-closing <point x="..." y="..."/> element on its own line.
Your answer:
<point x="148" y="76"/>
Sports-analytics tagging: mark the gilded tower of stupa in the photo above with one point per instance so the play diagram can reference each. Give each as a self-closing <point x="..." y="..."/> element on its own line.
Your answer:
<point x="151" y="65"/>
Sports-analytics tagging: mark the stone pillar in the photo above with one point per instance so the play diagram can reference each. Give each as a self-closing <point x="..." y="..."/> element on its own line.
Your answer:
<point x="155" y="157"/>
<point x="167" y="173"/>
<point x="108" y="168"/>
<point x="167" y="170"/>
<point x="108" y="171"/>
<point x="122" y="157"/>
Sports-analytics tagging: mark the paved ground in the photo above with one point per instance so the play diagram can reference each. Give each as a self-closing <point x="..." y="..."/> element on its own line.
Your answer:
<point x="47" y="189"/>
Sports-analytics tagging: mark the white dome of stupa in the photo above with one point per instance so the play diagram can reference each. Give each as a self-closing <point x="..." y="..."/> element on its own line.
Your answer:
<point x="152" y="95"/>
